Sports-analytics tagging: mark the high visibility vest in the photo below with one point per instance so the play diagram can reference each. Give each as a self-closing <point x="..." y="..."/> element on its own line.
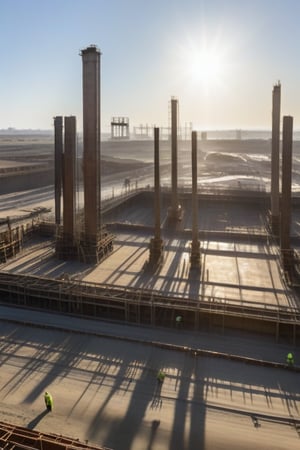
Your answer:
<point x="48" y="399"/>
<point x="160" y="376"/>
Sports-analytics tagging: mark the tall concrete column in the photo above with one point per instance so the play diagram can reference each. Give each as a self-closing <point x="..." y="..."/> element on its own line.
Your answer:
<point x="156" y="184"/>
<point x="69" y="188"/>
<point x="156" y="244"/>
<point x="275" y="159"/>
<point x="195" y="249"/>
<point x="91" y="142"/>
<point x="286" y="198"/>
<point x="174" y="120"/>
<point x="58" y="152"/>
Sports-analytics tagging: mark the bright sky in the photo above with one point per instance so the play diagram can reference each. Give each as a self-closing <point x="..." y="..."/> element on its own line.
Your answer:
<point x="220" y="58"/>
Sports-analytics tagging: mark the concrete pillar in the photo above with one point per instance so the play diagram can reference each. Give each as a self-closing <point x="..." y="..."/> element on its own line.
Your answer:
<point x="156" y="244"/>
<point x="275" y="159"/>
<point x="156" y="184"/>
<point x="69" y="186"/>
<point x="58" y="151"/>
<point x="91" y="142"/>
<point x="286" y="197"/>
<point x="195" y="249"/>
<point x="174" y="120"/>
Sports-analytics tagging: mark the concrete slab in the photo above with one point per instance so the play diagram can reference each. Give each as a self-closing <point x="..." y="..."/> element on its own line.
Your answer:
<point x="236" y="272"/>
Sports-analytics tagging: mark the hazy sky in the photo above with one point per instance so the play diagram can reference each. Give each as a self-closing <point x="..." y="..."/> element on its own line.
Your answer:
<point x="220" y="58"/>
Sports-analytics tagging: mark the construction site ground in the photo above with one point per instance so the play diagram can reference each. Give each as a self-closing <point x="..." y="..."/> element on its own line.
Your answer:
<point x="102" y="376"/>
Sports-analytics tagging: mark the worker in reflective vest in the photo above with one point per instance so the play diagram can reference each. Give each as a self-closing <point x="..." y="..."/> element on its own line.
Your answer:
<point x="290" y="359"/>
<point x="48" y="401"/>
<point x="160" y="376"/>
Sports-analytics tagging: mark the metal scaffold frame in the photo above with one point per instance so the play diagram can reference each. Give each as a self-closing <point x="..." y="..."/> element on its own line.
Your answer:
<point x="144" y="306"/>
<point x="19" y="438"/>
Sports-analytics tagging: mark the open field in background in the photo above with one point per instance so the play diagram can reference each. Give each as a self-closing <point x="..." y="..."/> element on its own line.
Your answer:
<point x="239" y="163"/>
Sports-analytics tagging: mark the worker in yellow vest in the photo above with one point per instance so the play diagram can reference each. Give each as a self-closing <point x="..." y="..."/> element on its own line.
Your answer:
<point x="48" y="401"/>
<point x="160" y="376"/>
<point x="290" y="359"/>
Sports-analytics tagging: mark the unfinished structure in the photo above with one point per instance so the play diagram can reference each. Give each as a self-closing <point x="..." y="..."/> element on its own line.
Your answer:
<point x="126" y="294"/>
<point x="85" y="240"/>
<point x="143" y="131"/>
<point x="120" y="128"/>
<point x="275" y="159"/>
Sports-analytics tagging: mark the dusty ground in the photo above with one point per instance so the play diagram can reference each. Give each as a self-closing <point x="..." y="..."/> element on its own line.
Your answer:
<point x="105" y="390"/>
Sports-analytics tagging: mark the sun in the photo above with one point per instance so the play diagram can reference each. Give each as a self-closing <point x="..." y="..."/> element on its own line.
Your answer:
<point x="203" y="65"/>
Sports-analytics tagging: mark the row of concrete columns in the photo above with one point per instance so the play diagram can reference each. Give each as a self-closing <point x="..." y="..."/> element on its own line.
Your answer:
<point x="91" y="167"/>
<point x="280" y="210"/>
<point x="156" y="244"/>
<point x="94" y="242"/>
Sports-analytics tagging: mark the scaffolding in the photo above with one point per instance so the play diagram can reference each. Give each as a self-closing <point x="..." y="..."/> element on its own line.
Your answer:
<point x="77" y="247"/>
<point x="120" y="128"/>
<point x="145" y="306"/>
<point x="12" y="240"/>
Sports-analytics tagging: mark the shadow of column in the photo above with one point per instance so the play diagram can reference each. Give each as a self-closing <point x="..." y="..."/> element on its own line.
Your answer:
<point x="37" y="420"/>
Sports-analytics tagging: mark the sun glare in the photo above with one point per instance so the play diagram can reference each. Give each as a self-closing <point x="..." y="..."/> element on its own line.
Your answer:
<point x="203" y="65"/>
